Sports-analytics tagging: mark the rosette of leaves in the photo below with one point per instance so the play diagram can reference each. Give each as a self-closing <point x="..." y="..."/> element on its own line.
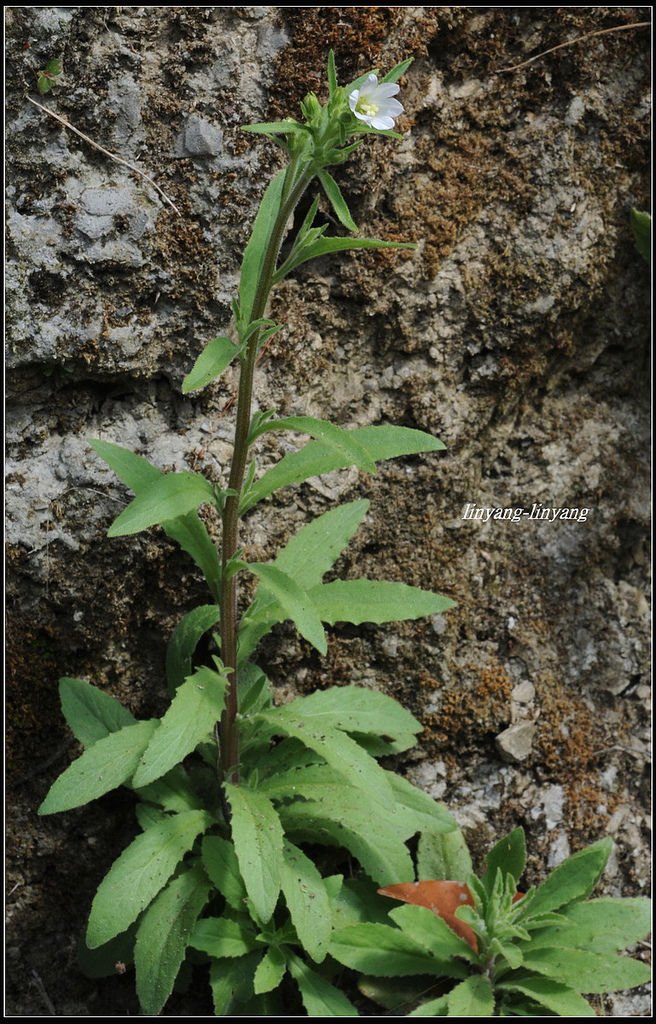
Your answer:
<point x="518" y="954"/>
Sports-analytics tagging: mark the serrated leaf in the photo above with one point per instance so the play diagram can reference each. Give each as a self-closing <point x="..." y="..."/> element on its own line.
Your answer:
<point x="188" y="531"/>
<point x="641" y="225"/>
<point x="315" y="459"/>
<point x="162" y="937"/>
<point x="471" y="998"/>
<point x="320" y="998"/>
<point x="341" y="817"/>
<point x="258" y="838"/>
<point x="307" y="901"/>
<point x="294" y="602"/>
<point x="196" y="707"/>
<point x="104" y="766"/>
<point x="387" y="952"/>
<point x="252" y="262"/>
<point x="585" y="971"/>
<point x="508" y="855"/>
<point x="572" y="880"/>
<point x="91" y="714"/>
<point x="604" y="925"/>
<point x="270" y="971"/>
<point x="376" y="601"/>
<point x="443" y="856"/>
<point x="140" y="873"/>
<point x="171" y="496"/>
<point x="184" y="641"/>
<point x="223" y="937"/>
<point x="232" y="980"/>
<point x="337" y="201"/>
<point x="431" y="932"/>
<point x="210" y="364"/>
<point x="221" y="864"/>
<point x="562" y="1001"/>
<point x="338" y="749"/>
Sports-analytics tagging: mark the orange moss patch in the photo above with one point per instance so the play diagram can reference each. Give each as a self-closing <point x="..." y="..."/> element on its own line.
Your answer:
<point x="467" y="716"/>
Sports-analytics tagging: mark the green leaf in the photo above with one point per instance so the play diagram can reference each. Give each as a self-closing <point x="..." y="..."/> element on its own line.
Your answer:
<point x="338" y="749"/>
<point x="356" y="902"/>
<point x="585" y="971"/>
<point x="213" y="360"/>
<point x="471" y="998"/>
<point x="188" y="531"/>
<point x="320" y="998"/>
<point x="572" y="880"/>
<point x="345" y="444"/>
<point x="443" y="856"/>
<point x="294" y="602"/>
<point x="387" y="952"/>
<point x="232" y="980"/>
<point x="329" y="245"/>
<point x="508" y="855"/>
<point x="255" y="692"/>
<point x="356" y="709"/>
<point x="104" y="766"/>
<point x="332" y="74"/>
<point x="337" y="201"/>
<point x="270" y="971"/>
<point x="91" y="714"/>
<point x="162" y="937"/>
<point x="196" y="707"/>
<point x="273" y="127"/>
<point x="307" y="901"/>
<point x="221" y="864"/>
<point x="377" y="601"/>
<point x="433" y="1008"/>
<point x="305" y="558"/>
<point x="171" y="496"/>
<point x="315" y="459"/>
<point x="258" y="838"/>
<point x="554" y="996"/>
<point x="147" y="816"/>
<point x="424" y="812"/>
<point x="253" y="260"/>
<point x="184" y="641"/>
<point x="397" y="71"/>
<point x="140" y="872"/>
<point x="604" y="925"/>
<point x="173" y="792"/>
<point x="221" y="936"/>
<point x="341" y="817"/>
<point x="431" y="932"/>
<point x="641" y="225"/>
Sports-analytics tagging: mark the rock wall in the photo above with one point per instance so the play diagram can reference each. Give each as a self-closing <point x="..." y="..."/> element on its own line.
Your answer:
<point x="517" y="332"/>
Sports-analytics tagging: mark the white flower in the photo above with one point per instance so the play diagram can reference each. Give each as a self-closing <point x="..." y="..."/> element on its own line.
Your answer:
<point x="373" y="103"/>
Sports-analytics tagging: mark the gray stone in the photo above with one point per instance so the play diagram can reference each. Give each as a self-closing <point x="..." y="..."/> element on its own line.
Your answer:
<point x="202" y="138"/>
<point x="515" y="743"/>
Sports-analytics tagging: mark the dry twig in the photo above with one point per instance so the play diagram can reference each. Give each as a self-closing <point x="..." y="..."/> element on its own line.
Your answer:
<point x="571" y="42"/>
<point x="112" y="156"/>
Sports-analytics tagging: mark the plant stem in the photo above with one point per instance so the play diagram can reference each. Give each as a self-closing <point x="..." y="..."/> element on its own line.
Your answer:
<point x="296" y="182"/>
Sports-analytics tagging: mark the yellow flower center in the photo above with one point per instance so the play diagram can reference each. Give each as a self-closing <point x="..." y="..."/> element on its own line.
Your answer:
<point x="367" y="108"/>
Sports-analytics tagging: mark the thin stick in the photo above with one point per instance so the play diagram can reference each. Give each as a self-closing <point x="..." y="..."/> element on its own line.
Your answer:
<point x="571" y="42"/>
<point x="44" y="995"/>
<point x="112" y="156"/>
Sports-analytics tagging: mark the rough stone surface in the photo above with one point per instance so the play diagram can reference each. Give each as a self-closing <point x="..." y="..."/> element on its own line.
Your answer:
<point x="517" y="332"/>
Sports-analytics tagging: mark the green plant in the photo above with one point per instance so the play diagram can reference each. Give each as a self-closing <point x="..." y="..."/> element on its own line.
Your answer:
<point x="641" y="227"/>
<point x="50" y="76"/>
<point x="228" y="784"/>
<point x="529" y="954"/>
